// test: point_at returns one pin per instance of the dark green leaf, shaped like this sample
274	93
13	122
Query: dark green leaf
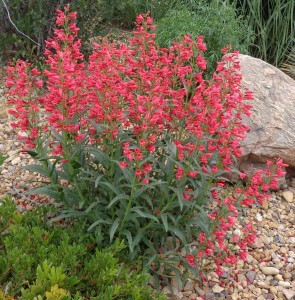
144	214
164	220
117	198
113	228
35	168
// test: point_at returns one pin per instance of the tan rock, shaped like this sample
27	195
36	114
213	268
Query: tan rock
285	284
270	270
288	196
289	293
217	289
272	122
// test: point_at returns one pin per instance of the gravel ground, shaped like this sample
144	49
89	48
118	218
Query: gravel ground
269	272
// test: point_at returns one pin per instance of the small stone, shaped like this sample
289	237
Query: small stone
257	292
273	290
15	161
235	296
265	239
249	259
269	296
246	295
288	196
277	239
217	289
273	225
167	291
189	286
259	217
283	250
285	284
251	275
263	285
287	275
269	270
289	294
241	278
279	277
210	296
274	282
264	204
256	245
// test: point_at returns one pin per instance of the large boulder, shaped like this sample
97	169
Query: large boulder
272	122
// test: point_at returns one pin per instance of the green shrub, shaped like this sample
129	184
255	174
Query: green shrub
41	261
217	22
33	18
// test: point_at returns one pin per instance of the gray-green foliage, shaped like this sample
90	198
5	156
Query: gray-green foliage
217	22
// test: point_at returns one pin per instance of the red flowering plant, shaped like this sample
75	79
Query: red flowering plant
137	142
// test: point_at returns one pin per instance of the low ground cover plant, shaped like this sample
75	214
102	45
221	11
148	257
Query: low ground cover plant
42	261
137	144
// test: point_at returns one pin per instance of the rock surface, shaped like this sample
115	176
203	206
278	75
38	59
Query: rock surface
272	122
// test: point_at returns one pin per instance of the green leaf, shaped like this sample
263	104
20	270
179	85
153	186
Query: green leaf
97	180
114	228
146	187
99	155
49	190
179	193
129	238
128	174
91	206
57	135
164	220
110	186
98	222
35	168
31	153
137	239
117	198
179	234
144	214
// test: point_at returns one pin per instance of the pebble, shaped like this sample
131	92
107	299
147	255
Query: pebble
279	277
288	196
269	270
289	294
259	217
217	289
285	284
15	161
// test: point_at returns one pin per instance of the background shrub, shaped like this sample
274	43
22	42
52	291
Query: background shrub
35	18
217	22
